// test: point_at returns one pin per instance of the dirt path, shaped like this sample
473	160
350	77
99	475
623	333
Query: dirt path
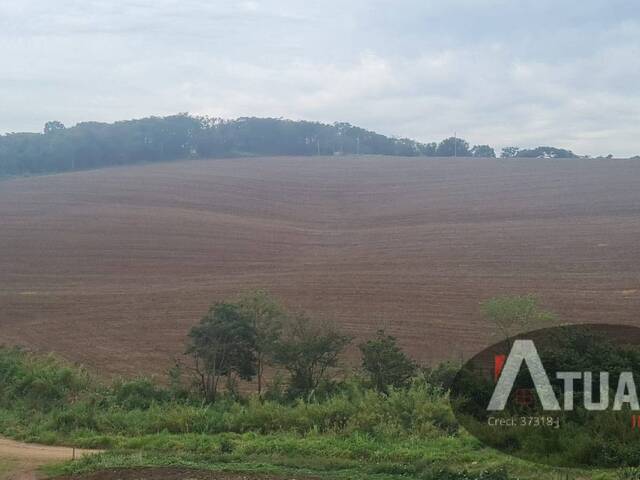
22	460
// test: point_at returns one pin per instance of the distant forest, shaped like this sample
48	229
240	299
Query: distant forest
156	139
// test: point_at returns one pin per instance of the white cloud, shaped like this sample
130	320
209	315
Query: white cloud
491	72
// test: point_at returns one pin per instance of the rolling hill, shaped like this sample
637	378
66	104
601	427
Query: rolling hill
111	267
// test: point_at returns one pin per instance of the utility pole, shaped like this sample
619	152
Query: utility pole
455	144
357	145
318	140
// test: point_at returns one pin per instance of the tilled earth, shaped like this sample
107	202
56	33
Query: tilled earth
112	267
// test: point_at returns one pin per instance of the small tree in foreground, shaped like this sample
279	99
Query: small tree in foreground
266	317
385	363
516	313
222	345
307	351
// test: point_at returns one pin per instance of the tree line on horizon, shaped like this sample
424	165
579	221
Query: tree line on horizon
90	145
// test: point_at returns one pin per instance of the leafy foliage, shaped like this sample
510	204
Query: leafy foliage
515	314
483	151
308	350
223	344
538	152
453	146
37	382
89	145
546	152
385	363
266	317
93	144
140	393
409	432
85	408
442	375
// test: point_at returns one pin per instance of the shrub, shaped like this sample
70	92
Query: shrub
385	363
139	393
442	375
42	396
38	382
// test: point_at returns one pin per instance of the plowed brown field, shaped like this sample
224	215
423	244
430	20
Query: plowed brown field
111	267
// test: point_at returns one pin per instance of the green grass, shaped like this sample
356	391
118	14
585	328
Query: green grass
353	433
264	455
265	464
327	455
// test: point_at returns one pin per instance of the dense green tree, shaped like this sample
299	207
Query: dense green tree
385	363
513	314
483	151
223	344
155	139
453	146
546	152
428	149
308	350
442	375
266	317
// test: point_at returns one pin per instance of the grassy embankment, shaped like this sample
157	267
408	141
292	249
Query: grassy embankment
352	433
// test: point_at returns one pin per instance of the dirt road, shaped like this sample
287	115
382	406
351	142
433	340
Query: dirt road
20	461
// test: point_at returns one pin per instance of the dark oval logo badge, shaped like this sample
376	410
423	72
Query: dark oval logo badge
564	396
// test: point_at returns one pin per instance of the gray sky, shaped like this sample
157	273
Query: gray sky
527	73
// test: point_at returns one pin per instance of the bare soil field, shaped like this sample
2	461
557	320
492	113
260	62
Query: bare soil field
112	267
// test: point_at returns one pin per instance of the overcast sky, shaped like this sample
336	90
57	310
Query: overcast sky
527	73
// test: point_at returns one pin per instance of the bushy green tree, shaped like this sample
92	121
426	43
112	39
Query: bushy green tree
153	139
512	314
546	152
442	375
308	350
385	363
483	151
266	317
453	146
223	344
